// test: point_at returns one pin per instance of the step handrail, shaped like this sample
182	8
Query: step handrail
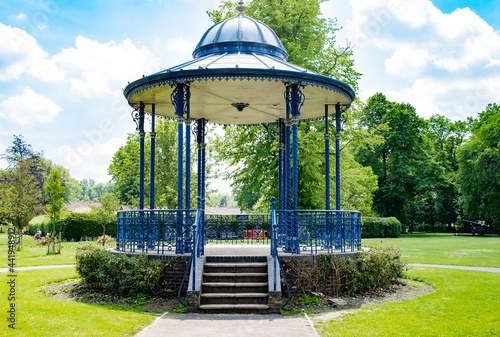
196	252
274	252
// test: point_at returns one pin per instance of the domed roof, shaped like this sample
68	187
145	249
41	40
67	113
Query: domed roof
240	34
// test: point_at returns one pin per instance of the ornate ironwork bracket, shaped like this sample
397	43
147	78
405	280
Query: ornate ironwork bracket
343	116
294	98
180	97
136	118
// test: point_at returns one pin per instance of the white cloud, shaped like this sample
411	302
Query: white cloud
407	61
29	108
181	45
18	51
435	61
89	160
20	16
93	66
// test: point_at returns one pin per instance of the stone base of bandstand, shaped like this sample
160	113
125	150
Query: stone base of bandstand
230	253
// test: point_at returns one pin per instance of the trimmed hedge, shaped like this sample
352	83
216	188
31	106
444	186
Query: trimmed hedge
119	273
372	227
77	225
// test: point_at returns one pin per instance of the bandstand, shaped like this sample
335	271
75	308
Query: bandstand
239	75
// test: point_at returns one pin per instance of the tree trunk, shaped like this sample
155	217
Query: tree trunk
103	235
20	241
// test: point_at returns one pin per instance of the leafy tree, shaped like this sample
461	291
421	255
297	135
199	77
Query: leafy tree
72	189
404	167
87	186
19	152
443	137
55	208
20	196
252	150
101	189
56	204
478	162
124	168
104	213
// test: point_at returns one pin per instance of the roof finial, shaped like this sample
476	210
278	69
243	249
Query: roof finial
241	8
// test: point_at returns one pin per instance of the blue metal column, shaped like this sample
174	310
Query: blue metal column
177	98
327	182
287	184
203	184
327	161
280	163
339	233
152	225
296	104
141	155
188	148
152	165
337	156
200	130
198	127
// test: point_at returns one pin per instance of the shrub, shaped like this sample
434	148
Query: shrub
438	228
78	225
372	269
118	273
107	239
367	271
372	227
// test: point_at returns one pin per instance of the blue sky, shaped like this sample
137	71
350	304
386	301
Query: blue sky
63	64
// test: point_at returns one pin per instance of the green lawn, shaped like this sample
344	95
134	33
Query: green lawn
443	248
40	315
35	255
465	303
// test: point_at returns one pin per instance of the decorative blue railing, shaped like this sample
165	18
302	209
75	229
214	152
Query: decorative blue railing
298	231
318	231
240	228
155	231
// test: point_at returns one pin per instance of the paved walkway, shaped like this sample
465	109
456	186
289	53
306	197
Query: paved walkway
487	269
6	270
198	325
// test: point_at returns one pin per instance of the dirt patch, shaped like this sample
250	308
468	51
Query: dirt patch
322	308
73	291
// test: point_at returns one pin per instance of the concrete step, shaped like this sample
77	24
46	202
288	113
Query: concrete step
235	268
235	277
236	265
234	287
235	284
235	274
231	307
235	259
234	298
231	295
